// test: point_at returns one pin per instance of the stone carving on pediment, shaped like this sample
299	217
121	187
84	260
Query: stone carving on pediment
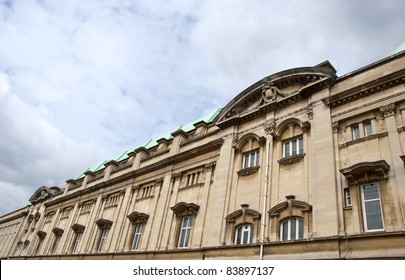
270	92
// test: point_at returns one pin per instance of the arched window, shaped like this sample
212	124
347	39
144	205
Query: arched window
291	220
244	234
241	225
248	151
292	229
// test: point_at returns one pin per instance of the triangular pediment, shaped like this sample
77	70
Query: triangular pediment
275	92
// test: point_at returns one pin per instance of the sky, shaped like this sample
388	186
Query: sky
83	81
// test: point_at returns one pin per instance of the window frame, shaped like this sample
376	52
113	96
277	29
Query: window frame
185	232
242	230
356	131
293	146
102	241
136	240
76	241
298	227
347	197
251	159
366	214
368	128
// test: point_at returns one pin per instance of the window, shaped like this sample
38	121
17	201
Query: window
57	236
76	241
348	199
356	131
251	159
185	232
368	130
292	229
55	243
294	147
137	237
372	213
244	234
103	238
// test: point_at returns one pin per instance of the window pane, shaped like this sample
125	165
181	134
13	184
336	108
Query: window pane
367	128
301	145
293	231
246	161
294	147
356	132
287	149
238	235
285	231
373	215
252	159
371	192
301	228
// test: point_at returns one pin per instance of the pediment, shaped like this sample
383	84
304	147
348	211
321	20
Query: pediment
275	92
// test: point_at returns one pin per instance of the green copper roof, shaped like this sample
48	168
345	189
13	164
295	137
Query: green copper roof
401	48
152	142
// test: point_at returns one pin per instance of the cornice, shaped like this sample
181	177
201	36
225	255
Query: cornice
365	89
206	148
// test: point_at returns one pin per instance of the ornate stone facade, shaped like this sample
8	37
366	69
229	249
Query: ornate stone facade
303	164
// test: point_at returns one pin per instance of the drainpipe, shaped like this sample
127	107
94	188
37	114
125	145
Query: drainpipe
265	195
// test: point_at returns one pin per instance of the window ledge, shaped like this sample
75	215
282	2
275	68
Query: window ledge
291	159
363	139
248	171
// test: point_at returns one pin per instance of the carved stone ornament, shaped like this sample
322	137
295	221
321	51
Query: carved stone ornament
182	209
235	139
310	112
388	110
270	127
210	166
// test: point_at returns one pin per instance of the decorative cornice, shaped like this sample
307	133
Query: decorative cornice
103	223
206	148
57	231
138	218
366	89
78	228
366	171
182	209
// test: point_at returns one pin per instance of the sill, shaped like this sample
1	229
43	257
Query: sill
248	171
291	159
347	208
363	139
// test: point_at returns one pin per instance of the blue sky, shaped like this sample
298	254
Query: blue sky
83	81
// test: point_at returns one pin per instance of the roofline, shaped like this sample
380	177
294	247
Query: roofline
371	65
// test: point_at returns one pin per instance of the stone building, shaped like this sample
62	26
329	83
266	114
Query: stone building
303	164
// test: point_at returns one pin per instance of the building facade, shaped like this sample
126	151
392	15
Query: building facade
303	164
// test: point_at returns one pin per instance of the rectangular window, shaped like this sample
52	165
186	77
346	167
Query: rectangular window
55	243
103	238
244	234
294	147
137	237
76	241
356	131
251	159
372	212
348	199
185	230
368	130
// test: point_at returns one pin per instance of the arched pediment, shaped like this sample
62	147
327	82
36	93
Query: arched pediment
40	194
184	209
242	213
289	205
274	92
138	218
286	124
